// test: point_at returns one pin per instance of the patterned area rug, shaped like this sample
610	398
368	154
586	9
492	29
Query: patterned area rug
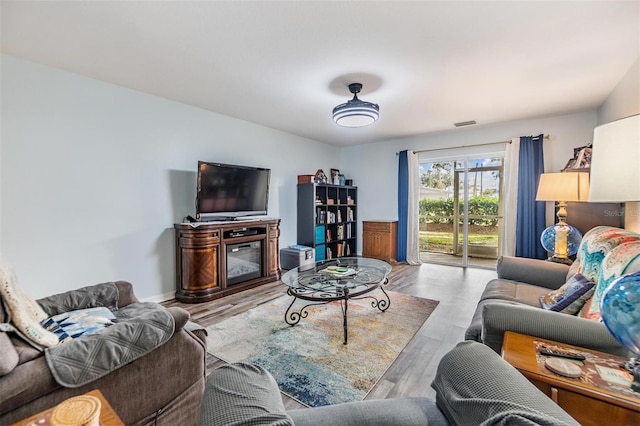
308	360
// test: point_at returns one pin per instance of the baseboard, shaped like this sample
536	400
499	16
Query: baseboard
160	297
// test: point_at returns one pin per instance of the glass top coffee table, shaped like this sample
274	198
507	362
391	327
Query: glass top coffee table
340	279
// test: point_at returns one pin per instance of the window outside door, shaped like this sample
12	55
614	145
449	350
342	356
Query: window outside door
460	211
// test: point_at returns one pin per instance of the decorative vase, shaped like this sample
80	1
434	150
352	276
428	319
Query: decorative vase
620	310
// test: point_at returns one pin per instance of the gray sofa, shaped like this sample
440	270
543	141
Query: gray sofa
474	386
511	302
161	387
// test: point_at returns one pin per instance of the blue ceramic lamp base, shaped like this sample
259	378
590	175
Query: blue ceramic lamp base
562	240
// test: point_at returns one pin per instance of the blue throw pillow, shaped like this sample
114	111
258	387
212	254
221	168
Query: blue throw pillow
73	324
570	297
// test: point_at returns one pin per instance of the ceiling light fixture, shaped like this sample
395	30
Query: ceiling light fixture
356	113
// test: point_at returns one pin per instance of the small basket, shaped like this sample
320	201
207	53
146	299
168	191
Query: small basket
83	410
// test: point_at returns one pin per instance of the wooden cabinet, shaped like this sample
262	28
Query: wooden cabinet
380	239
327	218
214	259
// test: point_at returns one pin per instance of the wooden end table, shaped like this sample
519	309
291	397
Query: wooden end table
600	396
108	416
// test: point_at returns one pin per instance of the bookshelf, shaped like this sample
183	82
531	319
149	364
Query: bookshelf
327	219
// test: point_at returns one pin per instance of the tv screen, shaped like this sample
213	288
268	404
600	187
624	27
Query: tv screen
227	191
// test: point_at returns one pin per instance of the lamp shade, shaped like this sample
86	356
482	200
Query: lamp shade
563	187
615	161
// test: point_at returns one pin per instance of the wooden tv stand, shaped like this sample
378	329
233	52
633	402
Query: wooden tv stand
201	257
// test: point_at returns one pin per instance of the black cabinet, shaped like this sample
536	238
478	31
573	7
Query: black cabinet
327	219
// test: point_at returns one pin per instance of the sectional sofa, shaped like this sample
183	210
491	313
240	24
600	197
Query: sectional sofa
512	301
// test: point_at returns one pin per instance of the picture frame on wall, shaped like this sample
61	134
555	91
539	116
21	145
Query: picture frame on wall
570	164
583	161
581	158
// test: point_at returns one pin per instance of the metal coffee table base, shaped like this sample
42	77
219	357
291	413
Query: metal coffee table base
293	316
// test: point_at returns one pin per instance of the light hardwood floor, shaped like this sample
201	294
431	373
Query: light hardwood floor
457	289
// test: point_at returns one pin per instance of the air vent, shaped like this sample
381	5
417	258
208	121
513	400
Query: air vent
465	123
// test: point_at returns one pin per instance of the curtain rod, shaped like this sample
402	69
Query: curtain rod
467	146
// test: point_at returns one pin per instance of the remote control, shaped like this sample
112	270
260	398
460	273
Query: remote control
570	355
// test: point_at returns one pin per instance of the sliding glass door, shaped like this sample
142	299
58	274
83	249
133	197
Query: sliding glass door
460	210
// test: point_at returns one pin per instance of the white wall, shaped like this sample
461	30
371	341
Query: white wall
624	100
374	167
94	175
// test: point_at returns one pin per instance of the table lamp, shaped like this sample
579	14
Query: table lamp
615	177
562	239
615	167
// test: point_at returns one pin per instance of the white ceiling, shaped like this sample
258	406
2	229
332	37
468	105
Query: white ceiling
286	64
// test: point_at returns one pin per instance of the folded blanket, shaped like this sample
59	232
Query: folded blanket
139	329
24	314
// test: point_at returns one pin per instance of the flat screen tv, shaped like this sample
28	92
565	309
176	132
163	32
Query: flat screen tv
228	192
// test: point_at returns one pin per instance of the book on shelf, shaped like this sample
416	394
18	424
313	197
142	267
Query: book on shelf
349	214
329	253
339	216
328	235
340	249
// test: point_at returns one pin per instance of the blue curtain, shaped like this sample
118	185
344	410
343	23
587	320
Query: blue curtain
531	213
403	204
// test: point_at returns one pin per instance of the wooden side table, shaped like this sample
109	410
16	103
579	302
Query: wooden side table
108	417
600	396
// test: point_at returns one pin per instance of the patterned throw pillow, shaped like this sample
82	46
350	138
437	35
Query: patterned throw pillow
570	297
606	254
73	324
574	307
591	310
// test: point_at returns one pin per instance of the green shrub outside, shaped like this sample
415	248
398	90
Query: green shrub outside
441	211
